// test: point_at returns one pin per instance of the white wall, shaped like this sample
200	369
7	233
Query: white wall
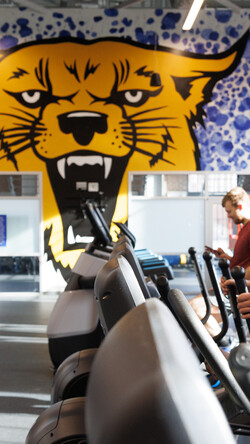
23	222
167	226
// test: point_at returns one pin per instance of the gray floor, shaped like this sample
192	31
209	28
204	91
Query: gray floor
25	368
25	373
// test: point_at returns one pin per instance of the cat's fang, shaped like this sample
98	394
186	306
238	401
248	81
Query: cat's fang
107	166
61	167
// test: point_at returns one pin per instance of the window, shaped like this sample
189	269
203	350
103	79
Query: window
219	184
18	185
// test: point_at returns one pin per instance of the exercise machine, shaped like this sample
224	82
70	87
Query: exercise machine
139	390
113	301
233	399
119	273
146	386
74	322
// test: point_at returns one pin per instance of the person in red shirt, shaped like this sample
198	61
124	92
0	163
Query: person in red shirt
237	206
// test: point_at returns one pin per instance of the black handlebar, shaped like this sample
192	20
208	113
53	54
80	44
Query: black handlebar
203	287
100	228
238	273
125	230
224	265
218	293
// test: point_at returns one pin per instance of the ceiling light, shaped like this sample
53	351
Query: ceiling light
230	5
31	5
193	12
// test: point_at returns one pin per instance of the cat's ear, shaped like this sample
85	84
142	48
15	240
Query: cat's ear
200	74
221	65
183	64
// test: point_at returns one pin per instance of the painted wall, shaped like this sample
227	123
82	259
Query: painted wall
88	95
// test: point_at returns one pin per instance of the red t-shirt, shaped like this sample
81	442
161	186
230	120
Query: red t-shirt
242	248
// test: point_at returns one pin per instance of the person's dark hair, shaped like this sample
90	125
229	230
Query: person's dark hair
235	196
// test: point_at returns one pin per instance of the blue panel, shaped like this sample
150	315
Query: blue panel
3	230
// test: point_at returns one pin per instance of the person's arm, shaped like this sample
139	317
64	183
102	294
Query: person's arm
224	283
219	253
243	302
222	255
247	275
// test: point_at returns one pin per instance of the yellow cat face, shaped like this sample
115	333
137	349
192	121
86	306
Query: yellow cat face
83	113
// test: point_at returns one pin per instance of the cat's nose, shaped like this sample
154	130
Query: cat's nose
83	125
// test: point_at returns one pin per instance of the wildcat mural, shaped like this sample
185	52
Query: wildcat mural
84	112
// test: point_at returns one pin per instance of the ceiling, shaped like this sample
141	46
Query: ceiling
42	5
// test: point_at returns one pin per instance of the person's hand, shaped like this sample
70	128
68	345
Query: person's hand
243	303
225	283
219	253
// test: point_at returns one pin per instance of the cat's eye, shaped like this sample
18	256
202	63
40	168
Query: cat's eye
35	98
31	97
133	96
129	97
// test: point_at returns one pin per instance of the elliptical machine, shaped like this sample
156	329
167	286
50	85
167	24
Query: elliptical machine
74	322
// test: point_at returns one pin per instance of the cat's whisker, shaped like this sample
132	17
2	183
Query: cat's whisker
135	122
17	142
151	141
128	133
31	127
19	150
17	117
25	128
133	148
150	110
149	127
20	134
154	158
28	114
156	142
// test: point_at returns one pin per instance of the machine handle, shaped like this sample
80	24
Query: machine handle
217	290
203	287
224	265
238	273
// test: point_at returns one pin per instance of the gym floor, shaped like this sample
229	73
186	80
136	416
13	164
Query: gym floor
25	375
25	367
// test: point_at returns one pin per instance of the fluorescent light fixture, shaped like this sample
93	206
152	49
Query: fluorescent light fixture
230	5
127	3
31	5
193	12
